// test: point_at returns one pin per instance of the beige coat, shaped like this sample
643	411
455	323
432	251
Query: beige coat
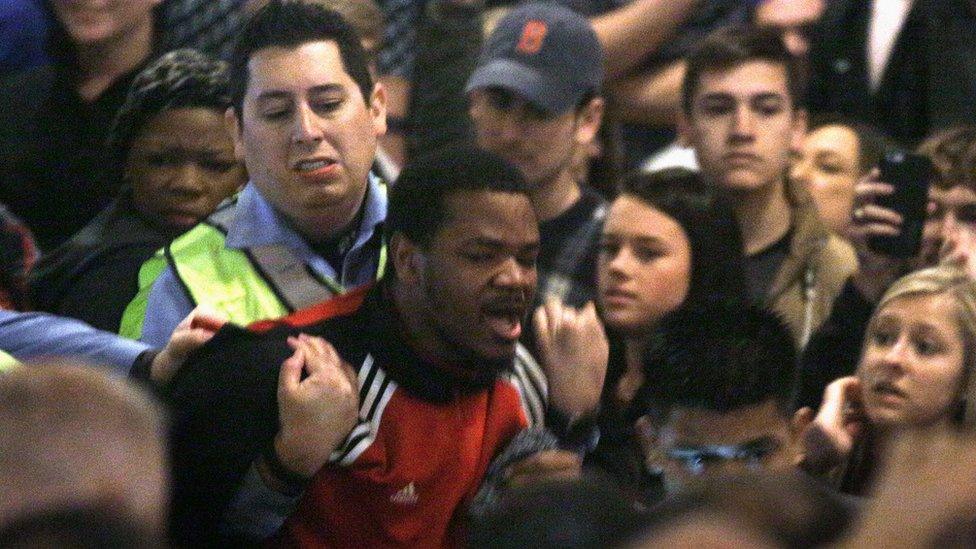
813	273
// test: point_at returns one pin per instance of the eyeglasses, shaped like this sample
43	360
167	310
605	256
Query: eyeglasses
696	459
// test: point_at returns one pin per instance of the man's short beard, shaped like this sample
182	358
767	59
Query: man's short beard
469	369
474	371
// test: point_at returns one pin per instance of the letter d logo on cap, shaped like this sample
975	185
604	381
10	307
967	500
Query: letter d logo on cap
533	33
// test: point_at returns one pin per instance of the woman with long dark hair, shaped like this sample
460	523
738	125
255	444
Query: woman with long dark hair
668	240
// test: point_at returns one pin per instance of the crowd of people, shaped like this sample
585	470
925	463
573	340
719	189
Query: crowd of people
347	273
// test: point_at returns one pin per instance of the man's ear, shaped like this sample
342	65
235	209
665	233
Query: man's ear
377	109
408	259
798	425
647	432
234	129
588	120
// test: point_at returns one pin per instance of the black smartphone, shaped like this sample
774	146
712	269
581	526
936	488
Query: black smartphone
910	174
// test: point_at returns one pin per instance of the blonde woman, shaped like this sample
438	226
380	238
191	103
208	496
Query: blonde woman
916	371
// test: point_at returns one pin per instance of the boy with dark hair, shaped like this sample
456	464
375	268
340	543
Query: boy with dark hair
742	115
717	394
383	436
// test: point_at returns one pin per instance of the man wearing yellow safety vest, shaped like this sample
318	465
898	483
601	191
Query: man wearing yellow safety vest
305	119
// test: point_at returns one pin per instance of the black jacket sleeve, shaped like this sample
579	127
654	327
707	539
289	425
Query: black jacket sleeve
835	349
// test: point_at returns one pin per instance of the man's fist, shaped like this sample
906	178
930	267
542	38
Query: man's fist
316	412
573	350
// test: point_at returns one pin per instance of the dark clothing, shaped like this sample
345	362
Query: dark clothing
210	26
618	456
928	84
568	248
447	51
51	151
835	349
94	276
761	268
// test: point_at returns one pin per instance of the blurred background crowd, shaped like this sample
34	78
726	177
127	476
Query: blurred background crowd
650	231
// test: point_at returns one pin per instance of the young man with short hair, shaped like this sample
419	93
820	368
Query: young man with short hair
742	115
719	401
534	100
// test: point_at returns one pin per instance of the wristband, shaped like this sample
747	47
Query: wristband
294	482
579	433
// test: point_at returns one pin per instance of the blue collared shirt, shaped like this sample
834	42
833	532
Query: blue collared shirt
31	336
256	223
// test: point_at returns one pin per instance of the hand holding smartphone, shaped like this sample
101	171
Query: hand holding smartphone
910	174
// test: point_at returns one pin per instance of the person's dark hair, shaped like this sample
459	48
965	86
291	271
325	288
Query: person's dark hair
558	514
872	145
289	24
77	528
717	270
793	508
729	47
718	356
953	153
417	200
183	78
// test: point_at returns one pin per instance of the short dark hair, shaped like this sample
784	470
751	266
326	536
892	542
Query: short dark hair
183	78
953	153
871	143
77	527
729	47
289	24
417	200
707	219
719	356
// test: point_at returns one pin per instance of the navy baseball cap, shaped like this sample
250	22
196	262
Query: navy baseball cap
544	52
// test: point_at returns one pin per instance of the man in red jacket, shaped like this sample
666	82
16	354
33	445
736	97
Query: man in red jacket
382	436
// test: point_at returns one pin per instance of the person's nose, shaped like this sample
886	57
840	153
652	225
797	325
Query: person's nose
188	179
618	264
515	275
306	128
894	357
743	123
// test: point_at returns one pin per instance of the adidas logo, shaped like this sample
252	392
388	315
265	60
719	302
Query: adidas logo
406	496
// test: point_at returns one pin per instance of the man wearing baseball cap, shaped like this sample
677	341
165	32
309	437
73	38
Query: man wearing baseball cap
534	100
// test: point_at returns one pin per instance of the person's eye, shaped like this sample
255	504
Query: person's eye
276	114
527	260
716	109
160	160
609	250
831	169
536	114
479	257
220	166
967	214
769	109
646	253
883	338
927	347
327	105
